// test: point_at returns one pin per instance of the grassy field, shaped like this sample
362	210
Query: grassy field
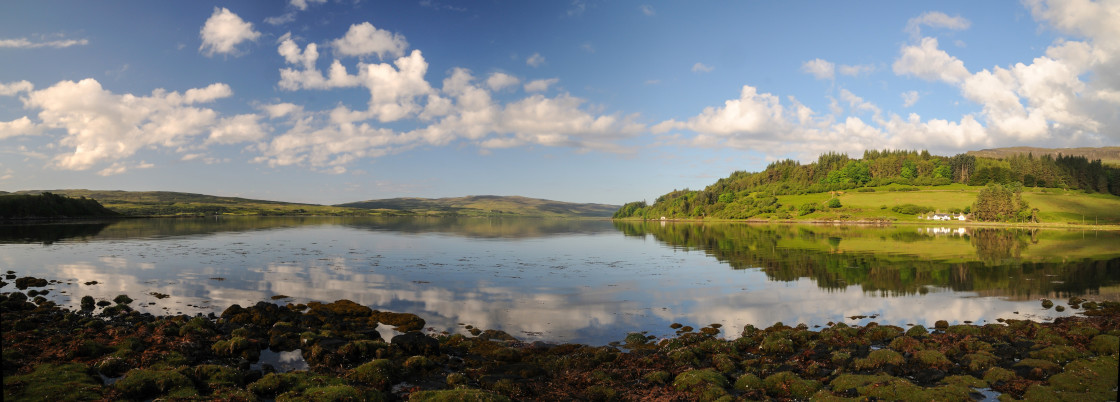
1055	206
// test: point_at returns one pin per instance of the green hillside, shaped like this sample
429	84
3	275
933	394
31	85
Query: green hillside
486	205
168	203
906	186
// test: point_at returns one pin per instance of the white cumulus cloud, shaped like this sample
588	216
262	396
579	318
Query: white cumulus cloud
101	126
935	19
702	68
24	43
15	87
223	31
910	98
928	62
536	60
540	85
365	39
499	81
820	68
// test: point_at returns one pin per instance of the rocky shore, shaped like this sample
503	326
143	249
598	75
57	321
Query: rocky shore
111	352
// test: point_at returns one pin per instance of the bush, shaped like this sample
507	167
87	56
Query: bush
806	208
911	209
834	203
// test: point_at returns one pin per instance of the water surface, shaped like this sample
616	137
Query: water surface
573	280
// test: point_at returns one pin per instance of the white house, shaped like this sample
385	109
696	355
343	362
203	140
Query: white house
941	217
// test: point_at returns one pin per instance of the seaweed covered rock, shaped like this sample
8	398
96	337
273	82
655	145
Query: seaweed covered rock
789	385
145	384
72	381
379	374
416	343
455	395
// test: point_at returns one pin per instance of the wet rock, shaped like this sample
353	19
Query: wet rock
496	335
403	322
416	343
122	299
363	350
30	282
87	303
237	347
112	366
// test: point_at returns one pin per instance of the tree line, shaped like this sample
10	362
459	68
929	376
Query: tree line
745	194
49	205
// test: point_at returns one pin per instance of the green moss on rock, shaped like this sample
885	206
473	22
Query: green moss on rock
50	382
1105	344
379	374
786	384
933	359
1084	380
460	395
878	358
144	383
1057	354
748	382
997	374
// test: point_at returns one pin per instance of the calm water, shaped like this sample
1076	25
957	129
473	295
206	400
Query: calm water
573	281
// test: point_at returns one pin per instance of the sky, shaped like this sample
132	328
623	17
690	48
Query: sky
332	101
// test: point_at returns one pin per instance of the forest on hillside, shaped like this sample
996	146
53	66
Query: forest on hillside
48	205
743	195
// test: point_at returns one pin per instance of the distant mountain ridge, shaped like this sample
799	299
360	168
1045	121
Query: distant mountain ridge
171	203
488	205
1109	155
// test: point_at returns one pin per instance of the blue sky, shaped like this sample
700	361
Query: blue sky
328	101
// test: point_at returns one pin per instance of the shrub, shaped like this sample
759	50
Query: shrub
911	209
834	203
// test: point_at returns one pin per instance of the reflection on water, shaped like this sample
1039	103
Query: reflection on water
572	280
1015	263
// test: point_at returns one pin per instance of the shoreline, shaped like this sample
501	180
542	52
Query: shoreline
884	222
112	352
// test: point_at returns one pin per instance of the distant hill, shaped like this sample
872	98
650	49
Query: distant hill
50	206
488	205
1108	155
169	203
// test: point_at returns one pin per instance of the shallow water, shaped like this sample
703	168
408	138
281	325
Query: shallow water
573	281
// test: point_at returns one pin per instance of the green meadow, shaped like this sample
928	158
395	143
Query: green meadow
1055	205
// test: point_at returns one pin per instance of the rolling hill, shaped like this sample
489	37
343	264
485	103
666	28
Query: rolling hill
1108	155
487	205
169	203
